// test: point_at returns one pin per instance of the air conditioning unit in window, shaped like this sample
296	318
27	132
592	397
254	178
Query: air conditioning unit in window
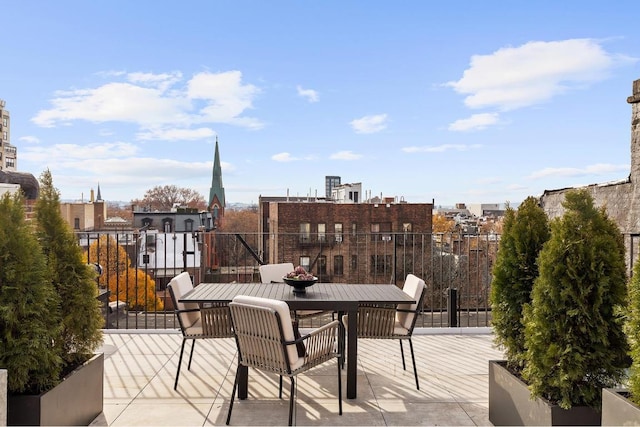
339	239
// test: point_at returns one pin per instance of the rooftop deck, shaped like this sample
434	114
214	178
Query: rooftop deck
140	369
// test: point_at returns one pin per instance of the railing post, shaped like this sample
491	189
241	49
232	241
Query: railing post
452	307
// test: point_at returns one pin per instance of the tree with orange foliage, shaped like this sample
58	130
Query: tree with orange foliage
441	224
125	282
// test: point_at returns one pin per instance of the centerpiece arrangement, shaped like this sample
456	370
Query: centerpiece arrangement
299	279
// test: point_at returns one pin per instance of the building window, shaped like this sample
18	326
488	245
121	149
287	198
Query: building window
406	227
76	223
5	135
188	225
381	232
305	262
4	121
380	264
305	232
338	267
354	229
322	232
354	262
322	265
166	225
338	232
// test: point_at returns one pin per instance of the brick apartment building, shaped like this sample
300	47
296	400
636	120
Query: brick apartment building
347	242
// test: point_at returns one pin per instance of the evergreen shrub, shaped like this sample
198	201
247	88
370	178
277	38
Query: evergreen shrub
524	233
574	338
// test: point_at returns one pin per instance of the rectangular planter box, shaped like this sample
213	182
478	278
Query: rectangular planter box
77	400
617	410
510	403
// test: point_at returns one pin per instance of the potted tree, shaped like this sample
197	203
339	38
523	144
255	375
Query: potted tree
574	338
524	233
74	396
621	406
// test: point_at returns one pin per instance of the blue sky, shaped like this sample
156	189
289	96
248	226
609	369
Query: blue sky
456	101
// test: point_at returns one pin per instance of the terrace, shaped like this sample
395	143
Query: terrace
452	365
142	346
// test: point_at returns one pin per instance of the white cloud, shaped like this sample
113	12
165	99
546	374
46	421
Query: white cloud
30	139
283	157
441	148
597	169
475	122
310	94
76	155
345	155
516	77
157	101
176	134
369	124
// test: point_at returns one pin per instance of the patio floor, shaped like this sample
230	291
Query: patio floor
140	370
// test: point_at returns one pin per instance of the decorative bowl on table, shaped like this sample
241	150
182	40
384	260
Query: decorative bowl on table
300	285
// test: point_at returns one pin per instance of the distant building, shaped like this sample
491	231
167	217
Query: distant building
344	242
85	216
8	152
347	193
330	182
494	210
217	200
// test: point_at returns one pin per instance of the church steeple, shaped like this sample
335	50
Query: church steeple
216	192
99	198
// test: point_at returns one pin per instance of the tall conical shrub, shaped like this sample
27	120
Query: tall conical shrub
633	333
524	234
574	324
73	280
29	318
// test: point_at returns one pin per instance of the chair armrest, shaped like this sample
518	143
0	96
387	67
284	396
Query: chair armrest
187	310
320	343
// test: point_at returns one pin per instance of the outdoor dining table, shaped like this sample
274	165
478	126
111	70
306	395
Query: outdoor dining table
340	297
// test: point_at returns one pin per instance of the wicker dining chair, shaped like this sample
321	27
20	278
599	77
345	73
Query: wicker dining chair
265	340
390	322
213	321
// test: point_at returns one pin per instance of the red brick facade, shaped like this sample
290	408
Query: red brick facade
353	243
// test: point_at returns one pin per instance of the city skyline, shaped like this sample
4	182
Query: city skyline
461	102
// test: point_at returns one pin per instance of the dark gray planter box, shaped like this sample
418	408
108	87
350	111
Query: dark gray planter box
510	403
617	410
76	401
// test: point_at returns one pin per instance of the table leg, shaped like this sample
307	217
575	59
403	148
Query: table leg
352	353
243	382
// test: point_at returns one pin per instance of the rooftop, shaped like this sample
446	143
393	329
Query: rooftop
140	369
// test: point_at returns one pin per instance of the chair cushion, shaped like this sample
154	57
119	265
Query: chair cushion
413	287
194	330
398	329
273	273
282	308
180	285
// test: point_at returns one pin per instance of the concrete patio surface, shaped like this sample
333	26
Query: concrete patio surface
140	368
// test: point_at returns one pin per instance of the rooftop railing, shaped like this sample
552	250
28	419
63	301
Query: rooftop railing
137	266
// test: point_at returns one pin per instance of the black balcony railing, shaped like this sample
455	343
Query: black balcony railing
137	266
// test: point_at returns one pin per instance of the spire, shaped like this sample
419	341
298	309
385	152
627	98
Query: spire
99	197
216	192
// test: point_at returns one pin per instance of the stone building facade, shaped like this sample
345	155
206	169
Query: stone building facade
621	199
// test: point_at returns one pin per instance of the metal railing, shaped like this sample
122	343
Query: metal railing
137	266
